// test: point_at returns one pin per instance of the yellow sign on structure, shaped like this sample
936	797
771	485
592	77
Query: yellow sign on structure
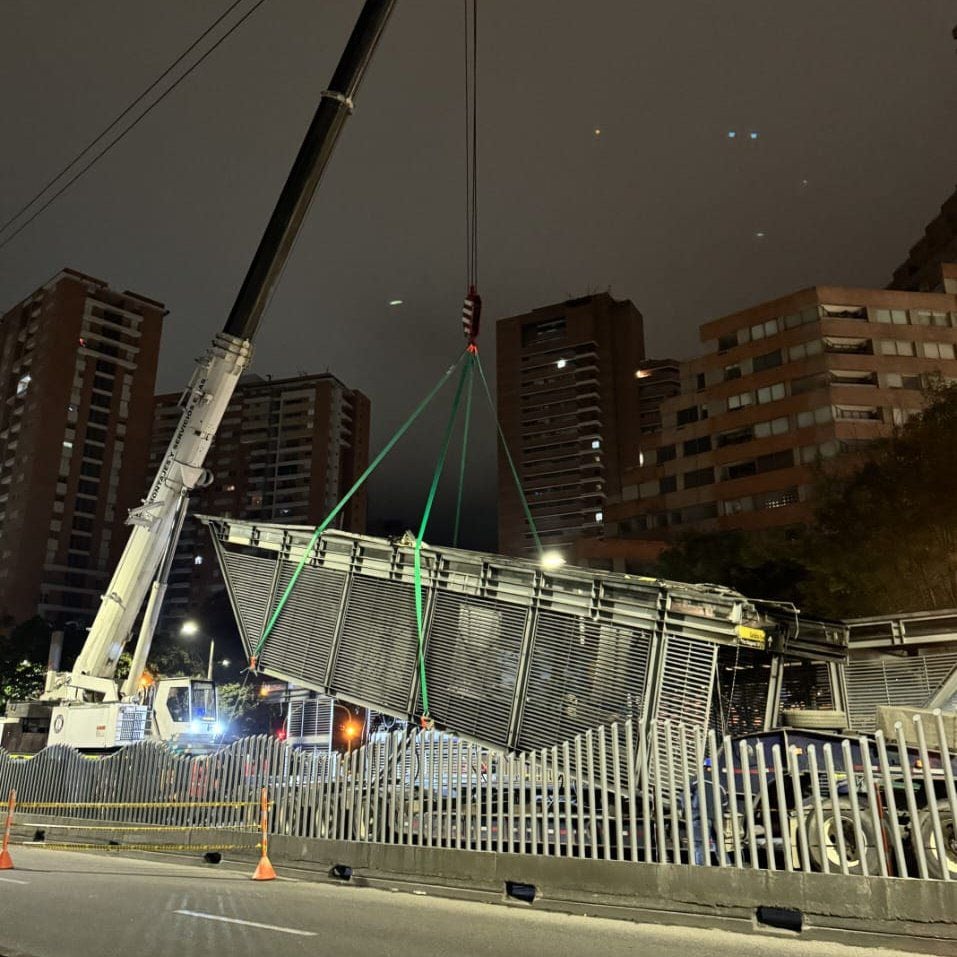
752	636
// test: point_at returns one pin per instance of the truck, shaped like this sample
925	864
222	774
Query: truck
86	707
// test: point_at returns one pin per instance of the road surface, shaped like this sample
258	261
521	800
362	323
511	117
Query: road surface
64	904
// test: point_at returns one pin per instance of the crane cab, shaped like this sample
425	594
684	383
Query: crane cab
185	714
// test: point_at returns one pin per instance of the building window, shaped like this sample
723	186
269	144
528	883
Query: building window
814	417
668	484
697	446
769	360
897	317
843	312
732	372
698	477
776	460
852	377
938	350
808	383
804	350
857	412
924	318
787	496
764	329
666	453
699	381
535	332
688	415
727	342
738	470
735	436
771	393
897	347
775	427
739	401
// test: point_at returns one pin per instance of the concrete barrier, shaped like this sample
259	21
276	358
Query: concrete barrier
914	915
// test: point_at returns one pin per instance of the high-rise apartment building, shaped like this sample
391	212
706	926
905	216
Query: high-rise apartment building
567	398
658	379
783	385
77	373
930	264
286	451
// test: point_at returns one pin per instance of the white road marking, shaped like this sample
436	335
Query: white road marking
247	923
13	880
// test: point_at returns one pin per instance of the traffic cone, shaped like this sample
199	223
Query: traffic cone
264	869
6	862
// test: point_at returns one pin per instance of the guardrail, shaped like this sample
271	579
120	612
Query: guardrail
787	800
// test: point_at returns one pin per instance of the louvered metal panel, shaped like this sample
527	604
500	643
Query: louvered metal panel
472	664
377	648
247	575
581	674
907	682
301	646
687	680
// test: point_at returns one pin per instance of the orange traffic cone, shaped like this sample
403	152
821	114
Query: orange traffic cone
6	862
264	869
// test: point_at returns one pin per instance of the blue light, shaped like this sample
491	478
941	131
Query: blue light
753	135
732	134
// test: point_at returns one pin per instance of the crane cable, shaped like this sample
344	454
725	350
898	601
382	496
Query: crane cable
136	121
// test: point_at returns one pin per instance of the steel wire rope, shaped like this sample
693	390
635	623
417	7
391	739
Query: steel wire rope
136	121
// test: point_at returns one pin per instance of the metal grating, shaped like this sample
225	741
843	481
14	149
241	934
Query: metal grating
906	682
472	663
581	674
246	575
304	643
378	645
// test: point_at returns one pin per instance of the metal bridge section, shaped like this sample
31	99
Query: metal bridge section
516	657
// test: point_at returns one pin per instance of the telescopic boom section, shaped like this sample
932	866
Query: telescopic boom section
213	383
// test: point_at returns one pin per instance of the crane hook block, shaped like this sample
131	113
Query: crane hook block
471	315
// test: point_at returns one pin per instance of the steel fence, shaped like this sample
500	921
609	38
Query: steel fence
786	800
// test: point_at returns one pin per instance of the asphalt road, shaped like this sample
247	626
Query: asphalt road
60	904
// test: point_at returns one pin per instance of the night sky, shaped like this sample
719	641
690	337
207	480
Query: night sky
853	102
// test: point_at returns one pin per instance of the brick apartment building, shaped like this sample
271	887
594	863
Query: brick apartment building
286	451
567	398
77	374
782	386
922	271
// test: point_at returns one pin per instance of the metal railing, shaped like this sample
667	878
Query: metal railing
786	800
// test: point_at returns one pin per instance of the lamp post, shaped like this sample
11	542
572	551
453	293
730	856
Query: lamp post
190	629
351	728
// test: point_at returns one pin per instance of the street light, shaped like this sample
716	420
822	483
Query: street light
189	629
351	728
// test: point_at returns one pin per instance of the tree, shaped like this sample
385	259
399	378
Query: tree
23	657
884	537
757	564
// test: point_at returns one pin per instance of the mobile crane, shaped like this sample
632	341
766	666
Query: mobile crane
86	707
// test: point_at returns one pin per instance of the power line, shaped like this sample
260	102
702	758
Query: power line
132	125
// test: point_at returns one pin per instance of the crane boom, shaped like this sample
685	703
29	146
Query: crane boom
212	385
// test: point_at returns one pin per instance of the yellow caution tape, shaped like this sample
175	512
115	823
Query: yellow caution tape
186	805
69	846
139	827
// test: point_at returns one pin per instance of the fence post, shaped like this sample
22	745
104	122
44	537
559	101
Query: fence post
264	870
6	863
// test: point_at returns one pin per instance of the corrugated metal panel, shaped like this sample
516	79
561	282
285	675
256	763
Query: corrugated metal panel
908	682
378	646
472	663
581	674
249	577
301	641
